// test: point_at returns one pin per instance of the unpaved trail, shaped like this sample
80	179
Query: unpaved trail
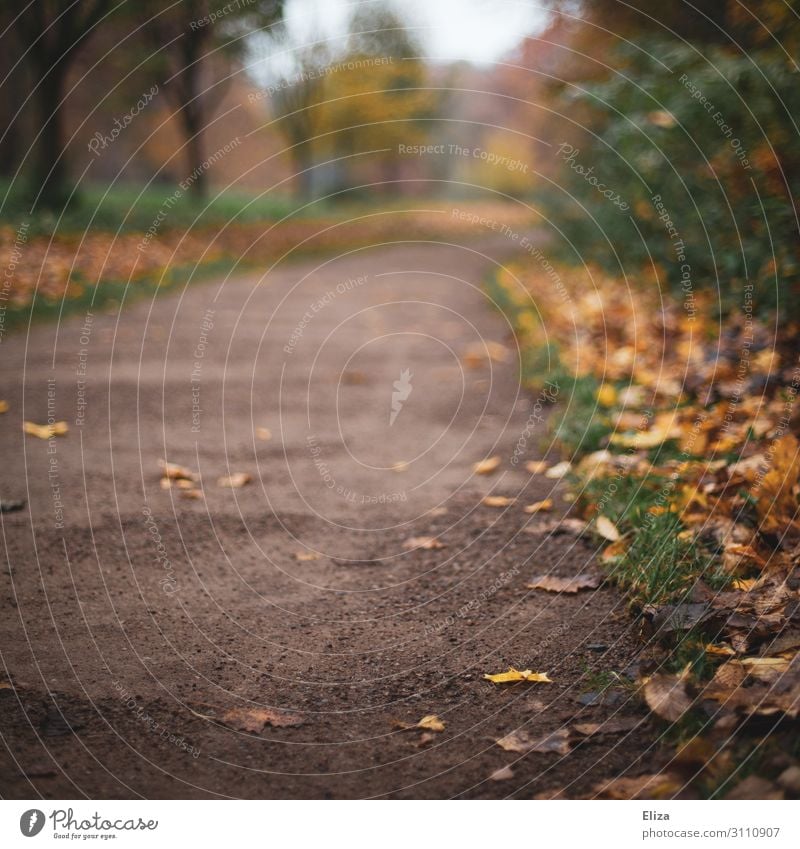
147	609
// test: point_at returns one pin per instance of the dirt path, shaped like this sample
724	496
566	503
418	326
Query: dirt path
130	641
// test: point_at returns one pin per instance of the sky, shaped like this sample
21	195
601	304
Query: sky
478	31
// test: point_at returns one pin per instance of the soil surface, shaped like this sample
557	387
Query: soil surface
135	618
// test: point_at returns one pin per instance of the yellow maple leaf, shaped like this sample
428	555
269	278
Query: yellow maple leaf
514	675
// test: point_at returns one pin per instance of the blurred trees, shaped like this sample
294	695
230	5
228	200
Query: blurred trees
189	48
348	113
194	45
52	32
690	115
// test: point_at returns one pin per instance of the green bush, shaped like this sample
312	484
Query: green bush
691	161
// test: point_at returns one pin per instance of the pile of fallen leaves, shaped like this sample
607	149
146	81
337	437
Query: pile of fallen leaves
67	266
681	435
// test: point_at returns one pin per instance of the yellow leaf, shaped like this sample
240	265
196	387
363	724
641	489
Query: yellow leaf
47	431
558	471
431	723
539	506
606	528
607	395
3	406
235	481
514	675
305	556
487	466
776	502
497	501
263	433
427	543
536	467
400	466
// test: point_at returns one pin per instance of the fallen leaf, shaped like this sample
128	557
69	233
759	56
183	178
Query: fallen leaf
661	785
254	719
174	472
431	722
606	528
666	696
559	470
615	550
539	506
606	395
47	431
235	481
306	555
776	503
263	433
400	466
522	743
487	466
181	483
3	406
502	774
536	467
498	501
427	543
610	726
192	494
556	584
514	675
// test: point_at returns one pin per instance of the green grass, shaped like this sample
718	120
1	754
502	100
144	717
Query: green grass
124	207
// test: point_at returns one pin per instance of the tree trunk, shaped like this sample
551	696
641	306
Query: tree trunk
51	166
193	126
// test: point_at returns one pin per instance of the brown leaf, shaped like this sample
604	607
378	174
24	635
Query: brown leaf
431	722
610	726
555	584
173	472
666	696
662	785
521	742
502	774
776	502
254	719
427	543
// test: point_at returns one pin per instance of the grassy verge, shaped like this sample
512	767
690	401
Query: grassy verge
697	501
